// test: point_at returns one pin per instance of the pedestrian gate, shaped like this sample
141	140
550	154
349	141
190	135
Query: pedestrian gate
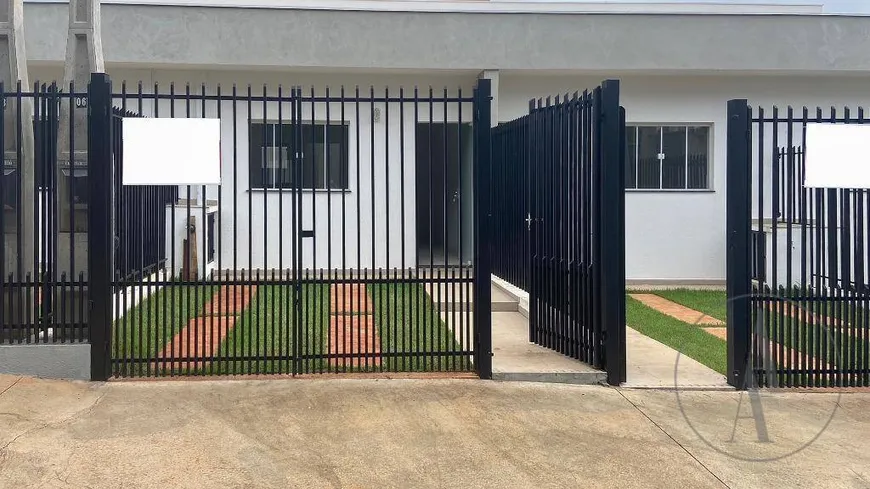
559	208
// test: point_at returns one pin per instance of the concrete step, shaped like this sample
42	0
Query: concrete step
449	297
514	293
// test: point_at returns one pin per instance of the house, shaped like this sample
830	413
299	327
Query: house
678	65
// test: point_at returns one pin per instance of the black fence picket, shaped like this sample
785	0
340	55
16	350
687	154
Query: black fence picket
798	257
140	216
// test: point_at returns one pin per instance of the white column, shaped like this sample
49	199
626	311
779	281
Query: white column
84	55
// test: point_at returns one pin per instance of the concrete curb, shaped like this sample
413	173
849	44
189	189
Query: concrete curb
576	378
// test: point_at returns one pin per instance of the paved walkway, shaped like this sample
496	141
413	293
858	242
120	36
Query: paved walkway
674	310
648	363
653	364
412	433
515	358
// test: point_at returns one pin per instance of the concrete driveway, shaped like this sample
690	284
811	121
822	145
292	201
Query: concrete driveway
420	433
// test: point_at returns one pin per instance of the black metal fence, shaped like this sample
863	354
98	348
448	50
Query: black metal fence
141	216
43	272
798	298
347	235
558	180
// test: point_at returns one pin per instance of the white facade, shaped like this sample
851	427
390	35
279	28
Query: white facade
680	235
672	236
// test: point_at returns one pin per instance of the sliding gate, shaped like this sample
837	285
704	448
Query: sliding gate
559	209
345	235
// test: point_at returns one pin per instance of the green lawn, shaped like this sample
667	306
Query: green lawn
711	302
407	322
689	340
831	344
404	316
265	328
144	330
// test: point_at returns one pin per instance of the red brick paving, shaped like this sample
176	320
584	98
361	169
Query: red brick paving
349	298
717	332
203	334
200	338
676	311
356	335
230	301
352	327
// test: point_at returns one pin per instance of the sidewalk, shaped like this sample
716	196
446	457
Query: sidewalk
412	433
650	363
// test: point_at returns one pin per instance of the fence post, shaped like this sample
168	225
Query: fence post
738	223
100	232
612	231
482	230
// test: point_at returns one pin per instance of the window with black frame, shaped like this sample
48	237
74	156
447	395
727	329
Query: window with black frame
667	157
323	156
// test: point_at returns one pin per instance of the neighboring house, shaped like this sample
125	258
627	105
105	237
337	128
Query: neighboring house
678	65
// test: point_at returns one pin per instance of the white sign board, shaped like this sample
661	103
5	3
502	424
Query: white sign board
837	155
171	151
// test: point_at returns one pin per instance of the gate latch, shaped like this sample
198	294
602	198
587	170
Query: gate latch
528	220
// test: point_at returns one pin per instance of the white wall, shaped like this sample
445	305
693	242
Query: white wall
681	235
674	235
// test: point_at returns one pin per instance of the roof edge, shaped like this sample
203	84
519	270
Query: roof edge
488	6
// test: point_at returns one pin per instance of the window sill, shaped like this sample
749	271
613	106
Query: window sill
304	191
668	191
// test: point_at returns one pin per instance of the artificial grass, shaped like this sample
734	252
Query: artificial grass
408	322
144	330
689	340
711	302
